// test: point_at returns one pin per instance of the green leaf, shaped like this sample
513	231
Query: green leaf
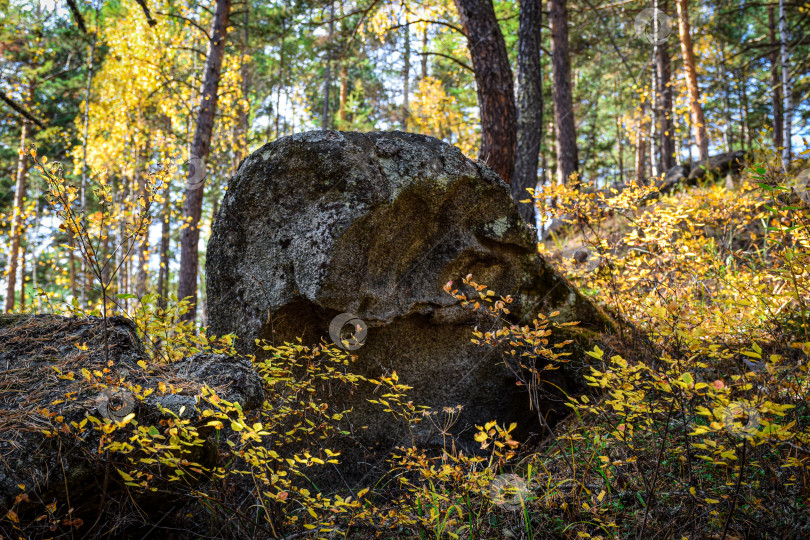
596	353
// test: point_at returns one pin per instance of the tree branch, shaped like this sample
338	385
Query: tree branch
456	60
448	25
21	110
145	8
189	21
74	9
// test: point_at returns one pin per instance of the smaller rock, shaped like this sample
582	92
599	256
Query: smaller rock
581	255
46	360
719	165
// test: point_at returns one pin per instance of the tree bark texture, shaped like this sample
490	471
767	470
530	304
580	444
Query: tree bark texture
529	106
200	147
17	218
564	125
495	87
698	122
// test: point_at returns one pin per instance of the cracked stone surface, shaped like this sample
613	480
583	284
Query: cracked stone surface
375	224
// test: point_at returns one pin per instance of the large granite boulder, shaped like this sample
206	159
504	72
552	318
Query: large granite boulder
375	224
43	388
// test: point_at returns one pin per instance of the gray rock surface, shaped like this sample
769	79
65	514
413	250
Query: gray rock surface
375	224
34	347
719	165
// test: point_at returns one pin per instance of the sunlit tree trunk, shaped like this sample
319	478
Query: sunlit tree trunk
34	258
776	81
243	124
200	146
74	291
327	78
406	77
663	65
128	279
787	152
619	130
344	94
424	53
17	217
667	126
22	277
163	272
726	89
529	105
203	295
744	127
117	196
494	85
143	244
36	301
698	122
641	158
655	144
564	125
86	112
280	78
620	137
106	272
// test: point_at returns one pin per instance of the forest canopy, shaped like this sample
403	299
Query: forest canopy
115	91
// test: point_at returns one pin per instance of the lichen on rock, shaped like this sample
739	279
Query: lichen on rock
375	224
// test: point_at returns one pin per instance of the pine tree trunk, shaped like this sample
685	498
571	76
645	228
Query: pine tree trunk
121	261
327	78
787	152
17	218
698	122
663	65
406	78
143	241
280	79
243	107
344	94
107	269
36	301
529	106
564	125
641	158
86	112
745	128
22	276
494	85
655	144
724	84
200	146
72	265
163	273
424	53
620	137
776	82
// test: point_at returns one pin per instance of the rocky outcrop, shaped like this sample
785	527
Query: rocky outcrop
45	362
718	167
375	224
